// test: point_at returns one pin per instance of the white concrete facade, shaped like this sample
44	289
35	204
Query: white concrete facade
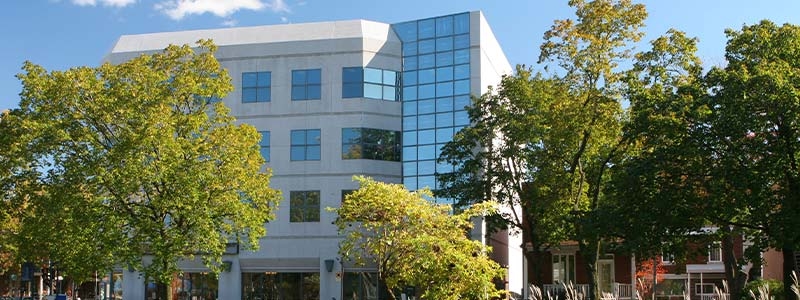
328	46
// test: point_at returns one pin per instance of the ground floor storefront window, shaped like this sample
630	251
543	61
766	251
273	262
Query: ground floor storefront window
186	286
280	286
363	286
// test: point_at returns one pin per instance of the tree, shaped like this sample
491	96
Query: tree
753	136
414	242
123	161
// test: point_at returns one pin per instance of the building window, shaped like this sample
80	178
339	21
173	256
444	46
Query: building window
273	285
306	84
704	288
364	285
714	252
305	144
563	268
368	143
256	87
370	83
264	143
304	206
667	258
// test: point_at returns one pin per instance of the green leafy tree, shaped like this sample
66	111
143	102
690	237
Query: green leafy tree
123	161
414	242
753	136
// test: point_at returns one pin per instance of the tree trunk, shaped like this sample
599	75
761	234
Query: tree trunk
590	252
733	274
789	266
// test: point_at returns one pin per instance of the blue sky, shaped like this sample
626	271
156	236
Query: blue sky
59	34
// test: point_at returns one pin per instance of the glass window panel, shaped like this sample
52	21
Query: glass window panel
427	181
298	77
426	167
444	44
426	121
444	104
265	135
461	56
407	31
298	153
409	48
389	77
352	75
409	137
409	153
410	78
373	91
263	94
427	61
462	101
427	46
427	152
410	93
313	137
461	72
389	93
426	91
426	106
249	79
410	123
313	153
426	29
427	76
461	118
298	137
410	182
444	168
298	92
373	75
461	41
439	149
444	58
314	92
314	76
264	78
444	74
249	95
410	63
352	90
444	26
427	137
461	23
410	167
461	87
350	135
444	89
444	135
444	119
409	108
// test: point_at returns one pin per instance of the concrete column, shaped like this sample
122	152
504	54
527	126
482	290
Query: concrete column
132	285
230	282
330	285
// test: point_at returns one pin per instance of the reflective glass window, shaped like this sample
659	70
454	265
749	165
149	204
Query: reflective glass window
370	143
444	104
264	143
256	87
426	91
410	93
461	72
444	135
305	144
427	76
427	181
306	84
426	121
390	93
444	25
352	82
462	101
409	48
426	106
444	58
461	23
444	119
444	74
427	61
461	56
410	123
444	167
390	78
427	46
461	41
304	206
444	89
410	77
406	31
409	153
426	167
461	118
410	167
410	182
427	137
409	108
444	44
461	87
426	29
373	75
409	137
410	63
372	90
426	152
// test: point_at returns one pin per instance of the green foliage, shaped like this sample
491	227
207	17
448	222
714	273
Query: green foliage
119	161
414	242
774	289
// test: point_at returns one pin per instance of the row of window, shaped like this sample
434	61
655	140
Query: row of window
357	143
357	82
304	205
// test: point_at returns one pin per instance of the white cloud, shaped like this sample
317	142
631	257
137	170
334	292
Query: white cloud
284	19
229	23
114	3
177	9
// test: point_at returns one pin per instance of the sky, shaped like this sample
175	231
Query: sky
60	34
